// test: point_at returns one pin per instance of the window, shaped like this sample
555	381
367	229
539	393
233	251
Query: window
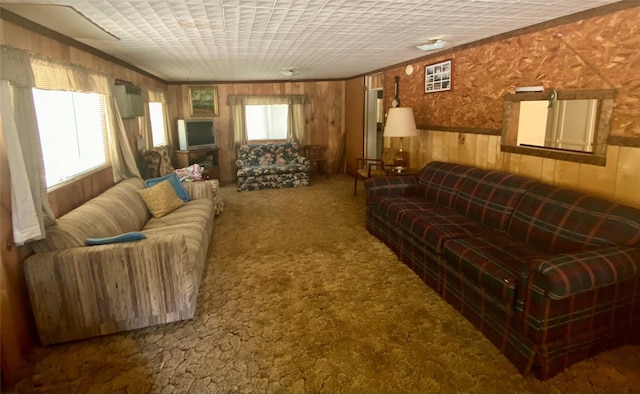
73	133
267	122
156	117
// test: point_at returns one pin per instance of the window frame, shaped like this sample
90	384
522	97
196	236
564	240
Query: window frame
164	124
105	138
268	140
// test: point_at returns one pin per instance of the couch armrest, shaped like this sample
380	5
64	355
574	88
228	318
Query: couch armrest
199	189
240	164
301	160
568	274
405	185
96	290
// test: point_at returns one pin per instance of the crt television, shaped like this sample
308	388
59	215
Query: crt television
196	134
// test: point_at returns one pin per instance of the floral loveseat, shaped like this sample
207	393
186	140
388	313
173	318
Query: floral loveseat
271	166
79	291
551	276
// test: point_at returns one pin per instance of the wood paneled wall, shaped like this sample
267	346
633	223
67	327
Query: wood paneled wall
18	330
599	52
618	181
323	115
594	53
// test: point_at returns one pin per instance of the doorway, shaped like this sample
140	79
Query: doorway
374	116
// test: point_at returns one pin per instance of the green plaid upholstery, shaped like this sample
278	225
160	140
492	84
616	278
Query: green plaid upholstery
391	186
434	226
559	220
549	275
497	264
439	182
569	274
489	197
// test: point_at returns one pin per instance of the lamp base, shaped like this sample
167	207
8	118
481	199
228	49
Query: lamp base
401	159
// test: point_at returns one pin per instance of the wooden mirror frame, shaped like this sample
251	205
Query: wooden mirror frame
509	142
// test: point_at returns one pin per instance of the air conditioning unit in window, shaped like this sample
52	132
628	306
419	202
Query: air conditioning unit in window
129	99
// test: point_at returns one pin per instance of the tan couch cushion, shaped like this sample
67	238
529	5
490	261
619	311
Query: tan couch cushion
118	210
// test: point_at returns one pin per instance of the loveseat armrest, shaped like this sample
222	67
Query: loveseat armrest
301	160
96	290
240	163
200	189
564	275
406	185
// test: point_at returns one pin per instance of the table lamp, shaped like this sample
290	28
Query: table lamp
400	123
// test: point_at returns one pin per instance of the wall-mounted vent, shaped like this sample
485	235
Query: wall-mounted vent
129	99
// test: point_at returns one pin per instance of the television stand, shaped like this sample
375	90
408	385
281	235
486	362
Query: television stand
207	158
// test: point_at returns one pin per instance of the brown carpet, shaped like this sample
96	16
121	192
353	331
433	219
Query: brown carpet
298	297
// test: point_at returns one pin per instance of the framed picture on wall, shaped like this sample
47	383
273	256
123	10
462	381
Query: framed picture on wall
438	77
203	101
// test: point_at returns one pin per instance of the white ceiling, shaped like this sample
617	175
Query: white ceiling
249	40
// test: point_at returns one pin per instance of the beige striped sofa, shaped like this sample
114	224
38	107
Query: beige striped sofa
80	291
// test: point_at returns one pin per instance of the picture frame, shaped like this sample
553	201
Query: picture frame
203	101
438	77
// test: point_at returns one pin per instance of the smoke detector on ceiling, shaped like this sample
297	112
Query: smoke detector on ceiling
432	45
289	71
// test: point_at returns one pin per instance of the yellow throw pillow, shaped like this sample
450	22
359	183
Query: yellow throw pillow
161	199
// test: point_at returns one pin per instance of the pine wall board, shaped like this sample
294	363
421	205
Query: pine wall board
618	180
323	114
18	329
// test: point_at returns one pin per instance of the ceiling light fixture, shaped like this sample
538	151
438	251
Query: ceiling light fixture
289	71
432	45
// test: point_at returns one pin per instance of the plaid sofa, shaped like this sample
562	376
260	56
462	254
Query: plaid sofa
271	166
551	276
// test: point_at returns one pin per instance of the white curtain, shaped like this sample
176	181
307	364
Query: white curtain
23	71
57	75
295	121
296	131
238	130
123	162
30	205
156	96
26	225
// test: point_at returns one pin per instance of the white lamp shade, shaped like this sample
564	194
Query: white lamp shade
400	123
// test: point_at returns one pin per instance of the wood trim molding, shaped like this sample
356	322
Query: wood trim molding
578	157
633	142
468	130
564	95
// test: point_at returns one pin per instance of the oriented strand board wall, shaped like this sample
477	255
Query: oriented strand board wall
607	56
600	52
323	114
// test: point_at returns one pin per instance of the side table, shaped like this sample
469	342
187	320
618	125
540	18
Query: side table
406	171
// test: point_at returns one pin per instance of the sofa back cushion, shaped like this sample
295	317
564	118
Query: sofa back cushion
489	197
116	211
439	181
559	220
268	154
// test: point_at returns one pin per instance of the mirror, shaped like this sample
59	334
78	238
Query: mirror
565	125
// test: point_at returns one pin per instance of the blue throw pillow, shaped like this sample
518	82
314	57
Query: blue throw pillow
175	182
126	237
